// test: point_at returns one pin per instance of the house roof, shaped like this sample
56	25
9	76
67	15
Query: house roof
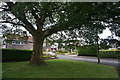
30	38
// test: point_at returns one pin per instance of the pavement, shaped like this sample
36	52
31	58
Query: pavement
111	62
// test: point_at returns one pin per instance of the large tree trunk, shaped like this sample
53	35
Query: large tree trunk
37	55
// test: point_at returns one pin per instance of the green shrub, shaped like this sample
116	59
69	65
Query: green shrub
87	51
15	55
110	54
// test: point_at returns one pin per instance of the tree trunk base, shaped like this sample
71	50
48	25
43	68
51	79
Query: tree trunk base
37	60
37	55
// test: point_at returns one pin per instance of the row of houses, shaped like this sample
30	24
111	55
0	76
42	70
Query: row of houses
17	44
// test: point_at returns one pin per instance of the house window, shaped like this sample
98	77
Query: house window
18	42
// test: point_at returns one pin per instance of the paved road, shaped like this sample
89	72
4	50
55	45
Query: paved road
111	62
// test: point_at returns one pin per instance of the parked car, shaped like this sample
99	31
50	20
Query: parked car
52	54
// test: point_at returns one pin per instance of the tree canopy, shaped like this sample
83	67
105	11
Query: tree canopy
48	16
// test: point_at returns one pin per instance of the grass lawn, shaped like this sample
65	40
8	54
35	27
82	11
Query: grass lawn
58	69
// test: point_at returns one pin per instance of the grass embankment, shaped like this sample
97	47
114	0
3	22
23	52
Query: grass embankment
58	69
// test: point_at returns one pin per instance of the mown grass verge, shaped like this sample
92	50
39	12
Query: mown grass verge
58	69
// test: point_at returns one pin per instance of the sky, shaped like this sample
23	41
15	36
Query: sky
107	33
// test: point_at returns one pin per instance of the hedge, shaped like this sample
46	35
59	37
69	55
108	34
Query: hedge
13	55
110	54
87	51
9	55
91	51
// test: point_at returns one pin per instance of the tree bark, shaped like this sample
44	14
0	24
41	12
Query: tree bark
37	55
98	55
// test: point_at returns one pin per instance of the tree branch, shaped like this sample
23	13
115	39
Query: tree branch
28	26
55	29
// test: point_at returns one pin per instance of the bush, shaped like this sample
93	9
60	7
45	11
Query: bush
110	54
87	51
15	55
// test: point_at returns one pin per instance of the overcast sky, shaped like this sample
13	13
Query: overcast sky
106	33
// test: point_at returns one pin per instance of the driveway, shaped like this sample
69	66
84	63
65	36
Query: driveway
111	62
